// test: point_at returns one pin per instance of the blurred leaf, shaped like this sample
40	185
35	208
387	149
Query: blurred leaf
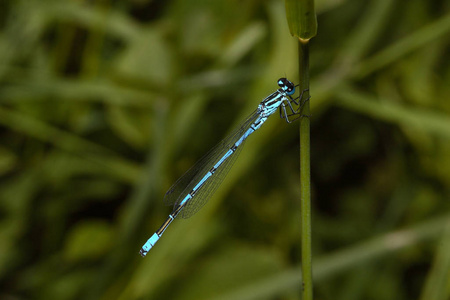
132	126
237	266
437	284
88	240
365	34
67	141
248	38
419	38
10	230
45	88
147	58
66	287
7	160
115	22
419	119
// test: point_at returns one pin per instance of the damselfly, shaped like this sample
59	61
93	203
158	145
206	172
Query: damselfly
193	189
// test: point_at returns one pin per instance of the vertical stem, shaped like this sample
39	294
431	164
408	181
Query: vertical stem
305	178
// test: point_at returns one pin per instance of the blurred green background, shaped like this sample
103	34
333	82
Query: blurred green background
104	104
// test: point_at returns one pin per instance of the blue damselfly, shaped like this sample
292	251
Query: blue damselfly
192	190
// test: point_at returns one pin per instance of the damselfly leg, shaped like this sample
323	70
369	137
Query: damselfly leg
290	111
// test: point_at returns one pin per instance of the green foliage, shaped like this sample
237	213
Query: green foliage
104	104
88	240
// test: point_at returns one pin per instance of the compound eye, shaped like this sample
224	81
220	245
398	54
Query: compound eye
290	90
282	82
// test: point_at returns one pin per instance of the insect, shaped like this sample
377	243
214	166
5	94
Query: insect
190	192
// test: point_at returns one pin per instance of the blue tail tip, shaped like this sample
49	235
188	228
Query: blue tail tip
143	252
149	244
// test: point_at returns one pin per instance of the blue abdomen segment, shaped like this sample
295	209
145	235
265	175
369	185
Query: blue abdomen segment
149	244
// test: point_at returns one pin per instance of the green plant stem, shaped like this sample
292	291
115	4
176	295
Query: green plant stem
305	178
302	23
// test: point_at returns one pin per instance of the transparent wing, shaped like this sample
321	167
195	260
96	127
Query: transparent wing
189	180
206	191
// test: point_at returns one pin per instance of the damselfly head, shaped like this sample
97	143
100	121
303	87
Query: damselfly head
286	86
